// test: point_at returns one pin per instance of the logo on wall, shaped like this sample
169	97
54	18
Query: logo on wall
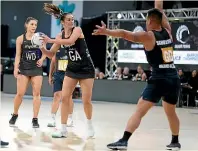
182	35
70	6
137	29
66	7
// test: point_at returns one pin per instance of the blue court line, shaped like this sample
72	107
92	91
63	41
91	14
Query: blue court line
43	98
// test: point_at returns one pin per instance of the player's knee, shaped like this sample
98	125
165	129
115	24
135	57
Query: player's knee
19	95
169	109
36	97
66	98
86	97
57	96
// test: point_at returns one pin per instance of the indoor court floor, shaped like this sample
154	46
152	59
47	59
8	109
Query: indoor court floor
109	120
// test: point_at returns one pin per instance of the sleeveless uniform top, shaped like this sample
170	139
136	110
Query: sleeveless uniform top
30	54
80	64
161	57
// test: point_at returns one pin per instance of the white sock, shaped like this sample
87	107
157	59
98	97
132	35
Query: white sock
64	127
53	116
70	116
89	122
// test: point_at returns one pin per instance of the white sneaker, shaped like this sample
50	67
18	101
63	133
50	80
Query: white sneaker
52	123
70	122
59	134
90	131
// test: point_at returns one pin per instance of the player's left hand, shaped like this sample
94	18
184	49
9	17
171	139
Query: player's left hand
46	39
101	30
43	45
39	63
59	36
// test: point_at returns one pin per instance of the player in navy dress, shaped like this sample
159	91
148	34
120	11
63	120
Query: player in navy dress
164	82
58	67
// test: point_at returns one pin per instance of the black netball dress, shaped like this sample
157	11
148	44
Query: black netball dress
30	54
80	64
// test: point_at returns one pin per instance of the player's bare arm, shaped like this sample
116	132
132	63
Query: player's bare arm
165	22
146	38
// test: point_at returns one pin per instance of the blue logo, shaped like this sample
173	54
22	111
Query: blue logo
191	57
66	7
177	58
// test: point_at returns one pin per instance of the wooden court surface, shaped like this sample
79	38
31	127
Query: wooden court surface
109	120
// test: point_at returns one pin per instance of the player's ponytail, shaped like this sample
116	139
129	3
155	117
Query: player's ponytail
54	10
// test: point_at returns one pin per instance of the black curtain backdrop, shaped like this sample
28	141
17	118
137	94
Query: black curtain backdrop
4	41
96	44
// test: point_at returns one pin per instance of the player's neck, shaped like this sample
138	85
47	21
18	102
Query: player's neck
29	34
67	31
157	28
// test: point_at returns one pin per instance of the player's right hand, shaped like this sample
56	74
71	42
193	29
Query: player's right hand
16	73
50	80
101	30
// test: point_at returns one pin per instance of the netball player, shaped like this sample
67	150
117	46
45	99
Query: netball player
164	82
28	68
80	67
56	76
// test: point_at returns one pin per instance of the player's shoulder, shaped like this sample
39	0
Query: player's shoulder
148	35
77	29
150	40
20	38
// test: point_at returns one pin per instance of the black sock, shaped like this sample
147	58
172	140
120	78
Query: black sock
174	139
126	136
35	119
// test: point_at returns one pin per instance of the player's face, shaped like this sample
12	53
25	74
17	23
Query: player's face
31	26
68	21
180	72
119	70
147	24
139	70
126	70
194	73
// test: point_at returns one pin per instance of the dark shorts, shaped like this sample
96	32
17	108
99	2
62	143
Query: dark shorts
88	75
58	81
165	89
32	73
84	72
